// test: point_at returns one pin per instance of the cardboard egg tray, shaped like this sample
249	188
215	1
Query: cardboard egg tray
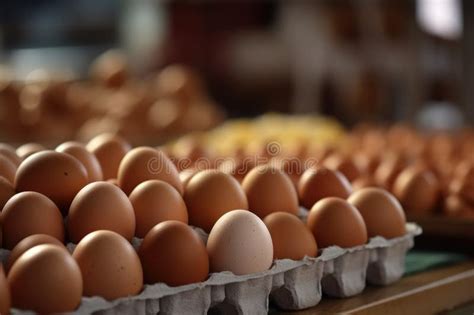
290	285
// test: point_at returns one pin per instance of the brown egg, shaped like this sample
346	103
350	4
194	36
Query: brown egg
109	265
319	182
155	201
100	206
7	169
5	297
388	170
334	221
45	279
173	253
209	194
90	162
29	213
144	163
30	242
28	149
268	190
6	191
383	215
109	149
56	175
241	243
290	236
418	190
345	165
9	152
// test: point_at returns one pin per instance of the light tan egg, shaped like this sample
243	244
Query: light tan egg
240	242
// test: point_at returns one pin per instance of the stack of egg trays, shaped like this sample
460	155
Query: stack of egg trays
290	285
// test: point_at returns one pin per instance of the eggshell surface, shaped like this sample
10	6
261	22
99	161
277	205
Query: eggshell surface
173	253
269	190
210	194
109	265
240	243
45	279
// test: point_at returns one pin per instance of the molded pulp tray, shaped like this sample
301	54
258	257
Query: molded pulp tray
291	285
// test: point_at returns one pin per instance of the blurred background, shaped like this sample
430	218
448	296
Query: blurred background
365	60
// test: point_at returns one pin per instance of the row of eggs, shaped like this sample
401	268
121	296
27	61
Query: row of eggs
150	201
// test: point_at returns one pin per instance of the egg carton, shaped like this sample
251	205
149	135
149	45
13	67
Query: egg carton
290	285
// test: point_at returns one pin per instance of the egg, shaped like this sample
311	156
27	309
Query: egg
90	162
317	183
29	242
155	201
7	169
29	213
100	206
144	163
388	170
109	265
346	165
28	149
56	175
211	193
291	238
240	242
335	222
9	152
173	253
417	189
109	149
6	191
5	297
269	190
45	279
383	215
